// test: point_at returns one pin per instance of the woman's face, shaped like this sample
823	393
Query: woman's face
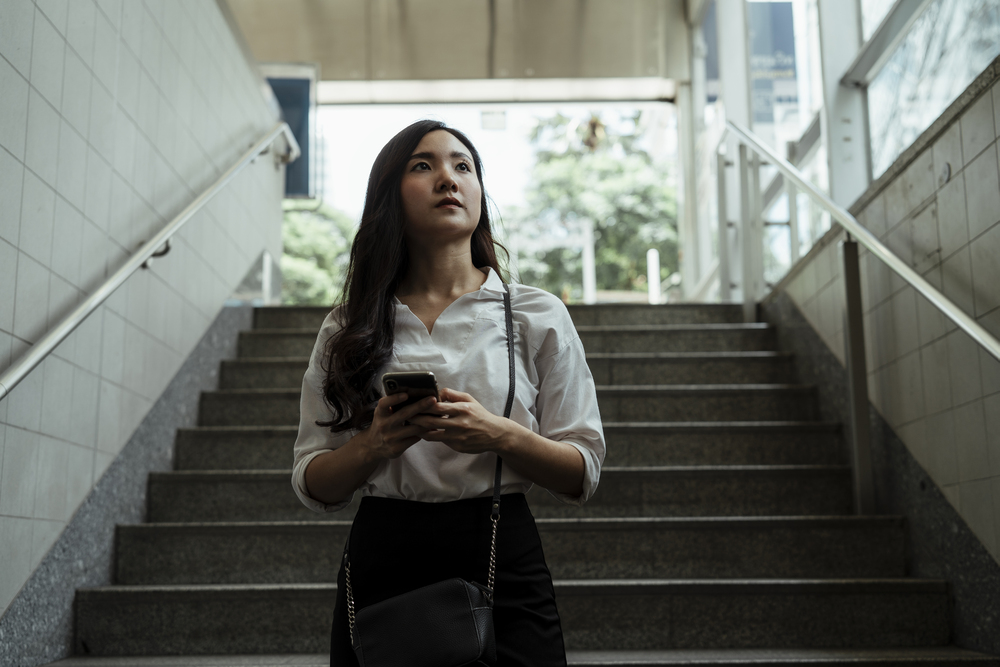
440	189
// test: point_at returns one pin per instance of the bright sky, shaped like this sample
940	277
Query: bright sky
354	134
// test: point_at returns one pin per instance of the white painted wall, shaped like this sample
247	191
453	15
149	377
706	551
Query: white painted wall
113	116
938	389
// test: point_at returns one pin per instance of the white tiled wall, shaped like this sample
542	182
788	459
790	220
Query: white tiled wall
114	115
936	387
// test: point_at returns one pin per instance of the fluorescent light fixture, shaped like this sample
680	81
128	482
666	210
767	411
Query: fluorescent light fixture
459	91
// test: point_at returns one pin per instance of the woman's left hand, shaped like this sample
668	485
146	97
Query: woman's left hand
463	424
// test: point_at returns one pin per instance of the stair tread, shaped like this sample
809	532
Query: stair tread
589	658
726	425
581	658
667	426
560	523
783	468
706	388
692	356
568	587
726	326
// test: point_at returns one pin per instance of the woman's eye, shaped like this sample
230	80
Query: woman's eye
421	165
463	166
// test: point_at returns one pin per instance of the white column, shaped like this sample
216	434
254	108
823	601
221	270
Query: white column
687	227
589	269
844	107
734	83
265	278
653	274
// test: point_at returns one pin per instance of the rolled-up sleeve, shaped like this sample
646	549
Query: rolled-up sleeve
567	411
312	439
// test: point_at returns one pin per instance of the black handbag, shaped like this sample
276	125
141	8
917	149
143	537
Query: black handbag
446	624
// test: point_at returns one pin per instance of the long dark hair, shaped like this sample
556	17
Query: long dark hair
379	260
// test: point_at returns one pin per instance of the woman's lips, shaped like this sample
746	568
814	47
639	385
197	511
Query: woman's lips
449	202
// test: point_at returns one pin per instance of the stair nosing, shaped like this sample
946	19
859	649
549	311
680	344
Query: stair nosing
705	388
652	328
607	587
768	355
728	426
560	524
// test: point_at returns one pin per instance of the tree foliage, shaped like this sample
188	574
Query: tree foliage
600	172
317	239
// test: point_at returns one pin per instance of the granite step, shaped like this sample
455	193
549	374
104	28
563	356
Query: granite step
260	343
629	444
708	402
786	490
678	338
234	448
691	368
607	368
731	402
633	614
674	548
724	443
311	317
929	656
613	314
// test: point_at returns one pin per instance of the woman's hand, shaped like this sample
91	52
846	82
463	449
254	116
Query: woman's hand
393	431
462	423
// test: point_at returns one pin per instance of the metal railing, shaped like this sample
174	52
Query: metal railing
45	345
751	242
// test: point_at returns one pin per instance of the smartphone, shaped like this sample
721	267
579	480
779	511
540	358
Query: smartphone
418	385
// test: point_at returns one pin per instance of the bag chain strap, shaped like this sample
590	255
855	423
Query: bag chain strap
495	514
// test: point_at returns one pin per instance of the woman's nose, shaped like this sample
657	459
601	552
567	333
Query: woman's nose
447	182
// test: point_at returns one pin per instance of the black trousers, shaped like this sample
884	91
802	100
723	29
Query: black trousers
400	545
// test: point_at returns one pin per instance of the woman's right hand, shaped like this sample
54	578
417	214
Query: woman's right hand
390	433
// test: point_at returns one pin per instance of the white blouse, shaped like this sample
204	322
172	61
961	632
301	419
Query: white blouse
467	351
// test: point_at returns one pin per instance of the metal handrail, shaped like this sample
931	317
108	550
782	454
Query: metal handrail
34	356
871	242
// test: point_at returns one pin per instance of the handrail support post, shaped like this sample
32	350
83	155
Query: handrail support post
746	238
725	280
857	380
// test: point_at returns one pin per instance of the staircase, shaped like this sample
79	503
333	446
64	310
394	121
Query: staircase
721	532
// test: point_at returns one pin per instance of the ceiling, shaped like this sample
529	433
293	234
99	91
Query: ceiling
399	40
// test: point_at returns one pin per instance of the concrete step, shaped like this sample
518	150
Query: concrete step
234	448
266	495
598	614
629	444
691	368
263	373
723	443
730	547
611	368
707	402
929	656
767	402
246	407
310	317
636	313
926	656
290	317
635	338
678	338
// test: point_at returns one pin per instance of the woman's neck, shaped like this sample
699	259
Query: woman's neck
439	276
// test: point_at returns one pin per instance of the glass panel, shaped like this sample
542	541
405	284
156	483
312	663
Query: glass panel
784	68
777	253
872	13
949	45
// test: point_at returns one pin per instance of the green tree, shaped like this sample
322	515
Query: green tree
600	172
317	239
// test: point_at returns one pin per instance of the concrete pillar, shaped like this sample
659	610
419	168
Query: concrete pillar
845	112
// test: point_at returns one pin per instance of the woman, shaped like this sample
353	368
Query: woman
424	293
